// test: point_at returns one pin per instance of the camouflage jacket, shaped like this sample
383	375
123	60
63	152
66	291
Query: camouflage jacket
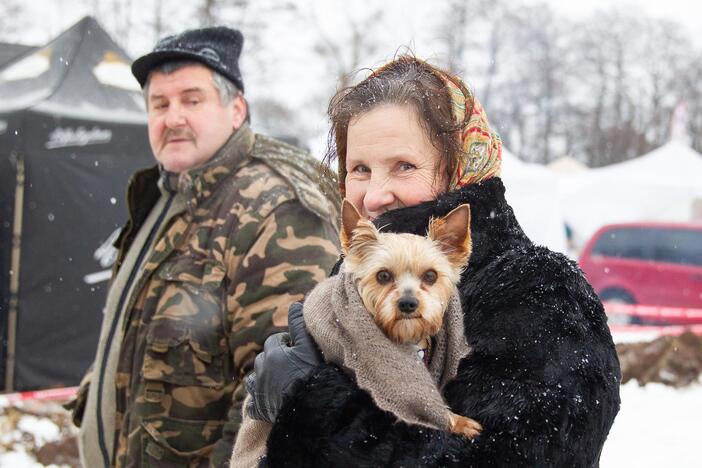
254	235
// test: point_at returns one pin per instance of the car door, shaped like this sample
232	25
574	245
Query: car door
678	256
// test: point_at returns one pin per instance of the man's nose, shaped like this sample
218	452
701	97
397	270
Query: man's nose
378	197
174	116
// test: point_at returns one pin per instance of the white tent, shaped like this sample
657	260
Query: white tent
532	191
659	186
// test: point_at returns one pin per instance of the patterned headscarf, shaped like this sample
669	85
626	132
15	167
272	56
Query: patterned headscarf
481	147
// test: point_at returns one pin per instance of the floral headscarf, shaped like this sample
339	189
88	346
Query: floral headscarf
481	147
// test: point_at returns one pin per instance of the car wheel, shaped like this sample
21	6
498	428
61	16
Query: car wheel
618	296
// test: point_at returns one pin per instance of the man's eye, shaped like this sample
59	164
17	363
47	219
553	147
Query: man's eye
159	106
407	166
194	102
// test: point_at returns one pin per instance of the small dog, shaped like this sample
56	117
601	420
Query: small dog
405	281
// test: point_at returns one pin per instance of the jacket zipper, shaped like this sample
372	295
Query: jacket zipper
113	329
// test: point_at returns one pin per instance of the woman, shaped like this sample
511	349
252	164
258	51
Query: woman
543	376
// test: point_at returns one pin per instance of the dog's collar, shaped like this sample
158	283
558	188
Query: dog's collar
423	350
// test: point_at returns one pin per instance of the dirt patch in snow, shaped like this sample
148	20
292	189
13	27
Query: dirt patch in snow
670	360
61	452
41	430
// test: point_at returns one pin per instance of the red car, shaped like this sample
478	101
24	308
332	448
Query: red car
646	263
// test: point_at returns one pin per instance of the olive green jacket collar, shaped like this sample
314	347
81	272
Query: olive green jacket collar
200	182
147	185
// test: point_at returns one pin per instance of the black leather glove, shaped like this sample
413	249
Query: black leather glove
286	358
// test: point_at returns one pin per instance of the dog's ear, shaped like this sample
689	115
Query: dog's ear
452	232
354	228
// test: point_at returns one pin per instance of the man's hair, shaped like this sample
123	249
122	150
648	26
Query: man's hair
226	89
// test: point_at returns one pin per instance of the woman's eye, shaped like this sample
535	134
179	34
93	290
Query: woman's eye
407	166
361	168
383	276
429	277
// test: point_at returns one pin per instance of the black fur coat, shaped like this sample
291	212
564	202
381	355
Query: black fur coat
543	378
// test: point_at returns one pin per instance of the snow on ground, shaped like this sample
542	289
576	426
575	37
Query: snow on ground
18	459
656	426
34	430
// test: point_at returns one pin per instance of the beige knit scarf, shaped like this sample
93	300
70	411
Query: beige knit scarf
394	375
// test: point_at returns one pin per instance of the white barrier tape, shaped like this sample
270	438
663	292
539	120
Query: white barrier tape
649	311
642	333
611	308
625	314
658	329
65	393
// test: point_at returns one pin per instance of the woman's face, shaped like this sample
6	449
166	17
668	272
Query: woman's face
390	161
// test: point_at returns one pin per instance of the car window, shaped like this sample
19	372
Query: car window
625	243
655	244
678	246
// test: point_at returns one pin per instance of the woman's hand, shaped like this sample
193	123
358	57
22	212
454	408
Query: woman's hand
286	358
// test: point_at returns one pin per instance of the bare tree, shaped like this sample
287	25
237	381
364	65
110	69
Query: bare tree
452	30
497	22
207	12
603	88
602	80
122	24
158	19
543	61
630	71
11	22
692	85
346	53
664	73
524	82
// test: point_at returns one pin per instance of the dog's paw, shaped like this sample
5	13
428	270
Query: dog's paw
468	428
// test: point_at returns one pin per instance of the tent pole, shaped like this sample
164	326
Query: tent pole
14	275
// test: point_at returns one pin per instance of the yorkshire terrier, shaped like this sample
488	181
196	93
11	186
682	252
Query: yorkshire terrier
406	281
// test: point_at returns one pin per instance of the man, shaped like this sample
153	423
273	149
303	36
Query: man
224	234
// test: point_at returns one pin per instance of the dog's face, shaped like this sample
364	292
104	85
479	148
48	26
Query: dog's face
406	281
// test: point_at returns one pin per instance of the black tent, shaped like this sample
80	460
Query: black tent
9	51
72	129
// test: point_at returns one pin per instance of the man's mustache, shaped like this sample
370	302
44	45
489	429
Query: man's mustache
177	134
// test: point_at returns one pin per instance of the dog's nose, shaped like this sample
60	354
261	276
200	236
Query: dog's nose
407	304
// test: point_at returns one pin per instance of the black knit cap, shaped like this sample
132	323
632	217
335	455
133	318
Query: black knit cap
217	48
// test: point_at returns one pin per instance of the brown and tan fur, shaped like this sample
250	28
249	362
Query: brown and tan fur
406	281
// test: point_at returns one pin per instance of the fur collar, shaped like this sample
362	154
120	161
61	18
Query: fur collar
494	229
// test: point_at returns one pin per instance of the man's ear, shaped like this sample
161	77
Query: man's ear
452	233
354	228
240	111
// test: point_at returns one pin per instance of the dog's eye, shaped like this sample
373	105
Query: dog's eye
383	276
429	277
